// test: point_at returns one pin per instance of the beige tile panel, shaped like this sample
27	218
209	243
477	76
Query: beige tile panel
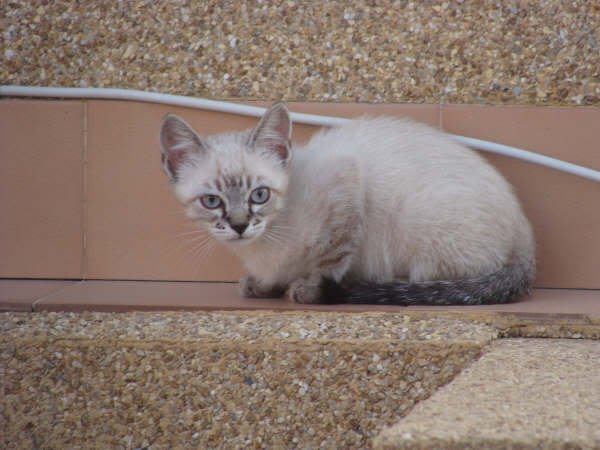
41	151
562	208
136	229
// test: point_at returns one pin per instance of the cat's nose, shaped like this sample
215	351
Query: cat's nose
239	228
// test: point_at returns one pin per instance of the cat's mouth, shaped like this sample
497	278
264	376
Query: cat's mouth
234	238
241	240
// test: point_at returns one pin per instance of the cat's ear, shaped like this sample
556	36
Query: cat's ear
273	133
177	141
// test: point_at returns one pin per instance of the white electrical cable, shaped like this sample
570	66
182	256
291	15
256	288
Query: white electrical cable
153	97
309	119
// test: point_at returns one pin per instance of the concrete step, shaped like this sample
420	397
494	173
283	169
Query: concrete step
221	380
522	393
259	379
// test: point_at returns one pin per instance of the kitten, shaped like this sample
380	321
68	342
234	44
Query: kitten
378	210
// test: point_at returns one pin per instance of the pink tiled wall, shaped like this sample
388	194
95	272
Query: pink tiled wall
82	194
42	151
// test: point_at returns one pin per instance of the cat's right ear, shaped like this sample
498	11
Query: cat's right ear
177	141
273	133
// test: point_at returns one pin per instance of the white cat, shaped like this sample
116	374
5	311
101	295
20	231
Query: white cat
378	210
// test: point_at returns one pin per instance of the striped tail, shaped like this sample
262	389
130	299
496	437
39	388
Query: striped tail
507	285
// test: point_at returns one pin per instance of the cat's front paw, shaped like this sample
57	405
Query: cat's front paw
302	291
251	288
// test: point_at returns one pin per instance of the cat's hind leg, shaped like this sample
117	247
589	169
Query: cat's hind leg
341	231
306	290
330	270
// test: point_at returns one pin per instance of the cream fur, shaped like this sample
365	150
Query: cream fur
377	199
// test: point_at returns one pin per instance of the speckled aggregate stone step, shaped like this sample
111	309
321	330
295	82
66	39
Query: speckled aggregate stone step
521	394
226	380
499	52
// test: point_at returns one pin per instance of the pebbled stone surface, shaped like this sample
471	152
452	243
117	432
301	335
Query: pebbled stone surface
497	52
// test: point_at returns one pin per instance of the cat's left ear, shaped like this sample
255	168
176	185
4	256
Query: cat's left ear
273	133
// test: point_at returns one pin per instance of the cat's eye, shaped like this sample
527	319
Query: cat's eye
260	195
210	201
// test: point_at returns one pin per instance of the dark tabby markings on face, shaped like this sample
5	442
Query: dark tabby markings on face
232	182
217	184
225	182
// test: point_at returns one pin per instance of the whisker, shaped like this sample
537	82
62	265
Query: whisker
182	254
204	249
272	226
281	235
276	232
274	239
203	239
176	242
279	227
187	233
281	231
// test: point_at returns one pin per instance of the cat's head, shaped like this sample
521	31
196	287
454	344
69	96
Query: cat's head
232	184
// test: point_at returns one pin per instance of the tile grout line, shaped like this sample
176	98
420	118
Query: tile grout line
440	106
84	187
